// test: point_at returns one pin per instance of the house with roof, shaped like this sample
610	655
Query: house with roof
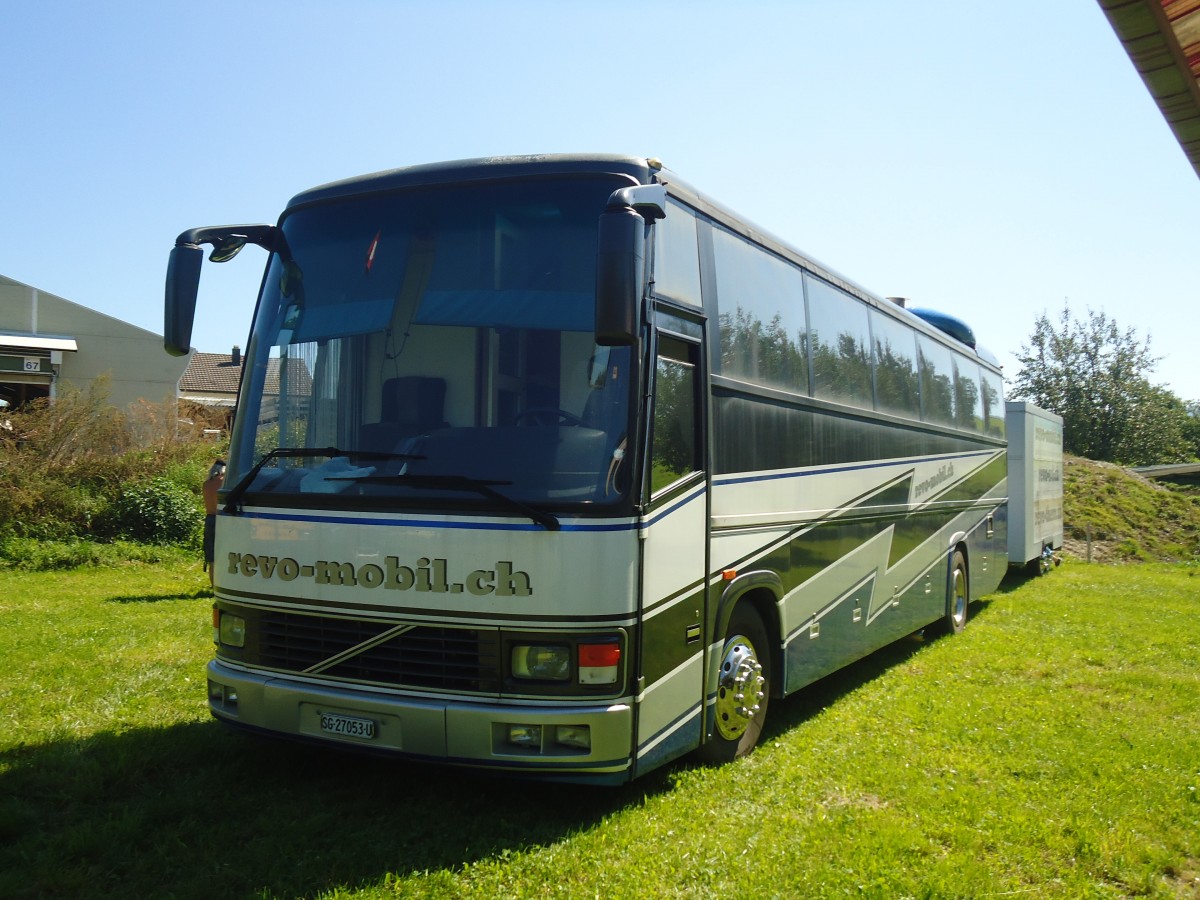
47	342
211	381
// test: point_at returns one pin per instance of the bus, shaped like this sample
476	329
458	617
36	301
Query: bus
552	465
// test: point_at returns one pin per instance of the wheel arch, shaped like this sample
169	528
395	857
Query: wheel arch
762	590
959	543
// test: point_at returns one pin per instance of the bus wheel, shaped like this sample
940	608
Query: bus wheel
743	688
959	598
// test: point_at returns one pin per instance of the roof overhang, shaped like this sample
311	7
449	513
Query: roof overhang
37	342
214	402
1162	38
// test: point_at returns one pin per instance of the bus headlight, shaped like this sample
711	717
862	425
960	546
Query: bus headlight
541	662
233	630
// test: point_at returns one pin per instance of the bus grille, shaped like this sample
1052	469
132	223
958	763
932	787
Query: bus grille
426	657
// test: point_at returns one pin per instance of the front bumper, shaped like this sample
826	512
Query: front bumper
456	732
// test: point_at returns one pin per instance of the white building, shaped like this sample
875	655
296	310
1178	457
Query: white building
46	342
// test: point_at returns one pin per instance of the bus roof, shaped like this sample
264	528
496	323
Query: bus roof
639	169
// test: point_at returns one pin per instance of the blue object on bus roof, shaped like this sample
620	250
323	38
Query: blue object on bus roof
956	328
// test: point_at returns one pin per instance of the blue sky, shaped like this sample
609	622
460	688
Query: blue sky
994	160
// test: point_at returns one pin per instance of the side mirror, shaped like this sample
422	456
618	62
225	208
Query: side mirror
621	261
179	310
183	273
620	267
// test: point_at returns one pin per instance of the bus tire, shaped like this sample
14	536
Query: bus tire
958	599
743	688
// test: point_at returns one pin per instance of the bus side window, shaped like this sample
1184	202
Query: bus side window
676	257
840	337
937	381
897	378
993	403
675	450
968	400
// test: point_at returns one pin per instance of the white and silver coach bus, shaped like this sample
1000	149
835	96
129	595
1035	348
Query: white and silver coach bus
553	465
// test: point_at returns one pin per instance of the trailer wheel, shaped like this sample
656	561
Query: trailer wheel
743	688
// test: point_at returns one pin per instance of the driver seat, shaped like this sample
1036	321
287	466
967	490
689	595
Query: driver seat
409	405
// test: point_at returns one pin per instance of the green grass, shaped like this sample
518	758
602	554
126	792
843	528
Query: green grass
1053	749
1128	518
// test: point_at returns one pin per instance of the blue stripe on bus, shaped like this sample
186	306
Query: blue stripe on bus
472	526
432	523
682	502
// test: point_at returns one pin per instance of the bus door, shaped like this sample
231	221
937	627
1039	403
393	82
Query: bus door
674	539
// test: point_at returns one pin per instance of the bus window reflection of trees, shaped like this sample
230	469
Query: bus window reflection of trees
674	452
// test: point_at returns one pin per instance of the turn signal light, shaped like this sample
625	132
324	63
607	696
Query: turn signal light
599	663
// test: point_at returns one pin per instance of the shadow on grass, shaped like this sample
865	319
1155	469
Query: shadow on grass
1015	579
193	810
808	701
197	594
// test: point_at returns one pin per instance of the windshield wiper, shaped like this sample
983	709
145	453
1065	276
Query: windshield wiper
461	483
232	504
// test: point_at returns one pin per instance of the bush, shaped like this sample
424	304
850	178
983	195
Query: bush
39	555
157	511
33	555
78	470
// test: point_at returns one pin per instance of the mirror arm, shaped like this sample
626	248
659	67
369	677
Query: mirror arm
183	273
260	235
648	200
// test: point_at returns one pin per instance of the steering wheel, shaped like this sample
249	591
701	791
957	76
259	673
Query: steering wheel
546	415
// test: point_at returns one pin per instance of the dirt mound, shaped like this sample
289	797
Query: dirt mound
1116	515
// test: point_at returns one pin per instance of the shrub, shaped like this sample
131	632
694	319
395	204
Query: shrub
39	555
157	511
34	555
77	469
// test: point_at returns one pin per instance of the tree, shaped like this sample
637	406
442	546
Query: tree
1095	376
1158	431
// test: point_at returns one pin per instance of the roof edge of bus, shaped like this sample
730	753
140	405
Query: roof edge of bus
640	168
738	223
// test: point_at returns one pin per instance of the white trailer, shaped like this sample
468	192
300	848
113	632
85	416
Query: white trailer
1035	485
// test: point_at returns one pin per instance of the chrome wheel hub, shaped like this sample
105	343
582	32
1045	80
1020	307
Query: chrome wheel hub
960	597
739	689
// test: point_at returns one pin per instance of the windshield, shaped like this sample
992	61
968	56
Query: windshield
436	345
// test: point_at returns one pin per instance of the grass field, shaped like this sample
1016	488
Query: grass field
1051	750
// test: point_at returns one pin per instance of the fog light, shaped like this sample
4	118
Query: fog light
528	736
577	736
543	663
221	696
233	630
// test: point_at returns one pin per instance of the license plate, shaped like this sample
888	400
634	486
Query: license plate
347	726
